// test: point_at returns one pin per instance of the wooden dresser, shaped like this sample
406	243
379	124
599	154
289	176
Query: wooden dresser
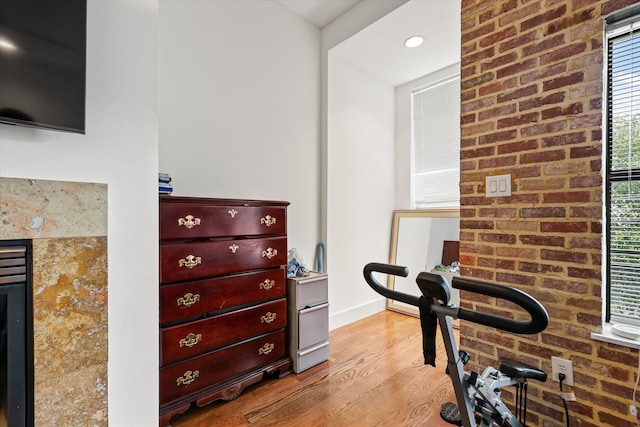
223	306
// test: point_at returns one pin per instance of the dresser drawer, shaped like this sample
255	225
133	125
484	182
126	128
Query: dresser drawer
183	378
188	221
186	300
194	338
196	260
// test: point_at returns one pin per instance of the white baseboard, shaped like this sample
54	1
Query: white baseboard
356	313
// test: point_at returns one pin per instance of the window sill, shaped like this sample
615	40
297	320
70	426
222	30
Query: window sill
607	336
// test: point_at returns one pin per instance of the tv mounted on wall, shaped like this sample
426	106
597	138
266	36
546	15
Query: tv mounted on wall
43	63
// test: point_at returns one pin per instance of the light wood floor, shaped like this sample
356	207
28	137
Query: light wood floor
375	376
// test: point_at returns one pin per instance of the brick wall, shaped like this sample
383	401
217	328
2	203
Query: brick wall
531	106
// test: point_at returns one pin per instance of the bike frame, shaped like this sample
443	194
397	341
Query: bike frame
472	392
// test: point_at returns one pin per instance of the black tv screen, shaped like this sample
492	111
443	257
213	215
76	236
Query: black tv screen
43	63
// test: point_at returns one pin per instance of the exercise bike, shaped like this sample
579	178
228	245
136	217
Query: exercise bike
478	395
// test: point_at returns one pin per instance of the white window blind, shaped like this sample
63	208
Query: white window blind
623	172
436	144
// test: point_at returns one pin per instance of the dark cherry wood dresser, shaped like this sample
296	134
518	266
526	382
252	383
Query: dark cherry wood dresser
223	305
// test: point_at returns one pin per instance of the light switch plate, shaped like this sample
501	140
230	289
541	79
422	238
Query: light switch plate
498	185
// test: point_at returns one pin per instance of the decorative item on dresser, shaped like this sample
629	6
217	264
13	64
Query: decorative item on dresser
223	305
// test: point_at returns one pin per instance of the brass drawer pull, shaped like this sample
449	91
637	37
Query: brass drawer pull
190	261
188	299
268	317
234	248
267	284
266	349
269	253
233	213
268	220
190	340
187	378
188	221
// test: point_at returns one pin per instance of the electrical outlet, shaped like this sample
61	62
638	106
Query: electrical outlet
563	366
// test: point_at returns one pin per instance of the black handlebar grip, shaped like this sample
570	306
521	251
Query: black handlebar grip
539	316
395	270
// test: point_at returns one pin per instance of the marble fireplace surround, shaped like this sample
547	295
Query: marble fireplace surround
67	223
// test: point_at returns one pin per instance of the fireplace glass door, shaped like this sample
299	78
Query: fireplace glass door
15	376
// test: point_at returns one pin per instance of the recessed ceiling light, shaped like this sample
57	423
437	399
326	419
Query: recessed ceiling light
414	41
6	44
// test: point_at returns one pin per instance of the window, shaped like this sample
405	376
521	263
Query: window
436	144
623	170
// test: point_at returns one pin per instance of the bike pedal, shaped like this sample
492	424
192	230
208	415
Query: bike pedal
450	413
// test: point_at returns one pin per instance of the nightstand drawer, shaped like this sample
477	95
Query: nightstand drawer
181	379
182	261
191	339
182	221
187	300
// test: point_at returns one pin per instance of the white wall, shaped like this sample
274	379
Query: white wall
359	189
239	85
356	163
119	149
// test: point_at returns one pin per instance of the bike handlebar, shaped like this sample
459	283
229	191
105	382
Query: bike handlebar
539	316
537	323
396	270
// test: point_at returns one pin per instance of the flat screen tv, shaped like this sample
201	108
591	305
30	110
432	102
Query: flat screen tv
43	63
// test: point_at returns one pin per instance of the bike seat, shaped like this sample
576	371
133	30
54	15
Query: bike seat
515	369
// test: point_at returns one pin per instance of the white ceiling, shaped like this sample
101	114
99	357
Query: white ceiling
318	12
378	50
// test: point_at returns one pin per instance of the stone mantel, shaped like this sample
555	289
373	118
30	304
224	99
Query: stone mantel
67	223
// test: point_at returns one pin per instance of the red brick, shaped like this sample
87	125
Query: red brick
502	110
518	93
555	212
550	113
543	128
476	81
496	37
514	147
580	152
476	225
564	227
477	104
468	118
585	243
518	41
517	68
542	156
547	43
542	73
542	240
541	19
586	181
554	98
563	53
564	256
569	21
583	273
518	120
497	162
499	86
479	56
519	13
561	82
478	32
567	197
565	139
613	5
500	238
494	137
496	263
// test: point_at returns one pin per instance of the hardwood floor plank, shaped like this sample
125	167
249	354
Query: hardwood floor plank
375	376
